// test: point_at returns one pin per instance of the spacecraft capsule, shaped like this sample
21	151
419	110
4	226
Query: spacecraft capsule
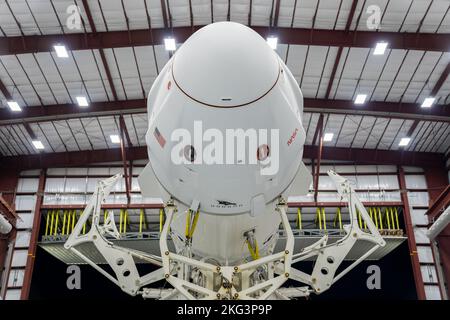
225	138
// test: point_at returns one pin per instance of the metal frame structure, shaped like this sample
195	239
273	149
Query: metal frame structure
196	279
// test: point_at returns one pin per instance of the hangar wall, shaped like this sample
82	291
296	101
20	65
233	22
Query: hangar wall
62	189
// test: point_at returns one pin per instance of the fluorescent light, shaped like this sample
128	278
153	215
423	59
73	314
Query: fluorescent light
404	142
114	138
61	51
380	48
82	101
170	44
272	42
14	106
360	98
328	137
38	144
428	102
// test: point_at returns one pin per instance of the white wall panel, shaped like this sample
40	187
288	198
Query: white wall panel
425	254
51	199
19	258
387	168
388	182
54	185
12	294
135	185
16	277
25	221
366	169
72	199
412	169
328	197
306	198
367	182
25	202
91	184
418	216
420	235
28	185
325	183
98	171
418	198
22	239
56	171
75	185
345	169
415	182
30	173
77	171
429	273
432	293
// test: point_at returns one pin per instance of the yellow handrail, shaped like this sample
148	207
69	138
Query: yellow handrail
324	218
161	219
396	218
299	219
381	217
386	212
141	219
56	222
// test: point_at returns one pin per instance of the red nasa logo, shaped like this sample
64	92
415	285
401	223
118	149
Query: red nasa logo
292	138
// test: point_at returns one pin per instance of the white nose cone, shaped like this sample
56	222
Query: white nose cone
225	65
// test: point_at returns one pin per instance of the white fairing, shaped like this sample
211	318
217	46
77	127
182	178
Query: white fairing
227	77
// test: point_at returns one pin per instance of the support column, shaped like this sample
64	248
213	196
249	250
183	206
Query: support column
410	235
34	237
437	183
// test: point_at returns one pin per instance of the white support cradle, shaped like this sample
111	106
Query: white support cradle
195	279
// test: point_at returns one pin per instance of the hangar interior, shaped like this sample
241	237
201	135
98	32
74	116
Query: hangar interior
73	111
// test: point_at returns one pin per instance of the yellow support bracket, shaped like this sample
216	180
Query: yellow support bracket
120	220
63	230
161	219
324	219
55	231
388	220
84	225
299	219
359	218
141	220
340	218
125	220
52	213
253	252
74	217
396	218
375	216
380	217
189	232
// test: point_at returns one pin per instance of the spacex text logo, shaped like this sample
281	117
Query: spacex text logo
237	146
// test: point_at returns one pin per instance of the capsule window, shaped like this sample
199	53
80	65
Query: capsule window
189	153
262	152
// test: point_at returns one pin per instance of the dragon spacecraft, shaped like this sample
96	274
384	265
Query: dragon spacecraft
225	145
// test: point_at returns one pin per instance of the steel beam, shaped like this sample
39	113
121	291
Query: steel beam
377	109
318	134
411	237
299	36
34	238
357	156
